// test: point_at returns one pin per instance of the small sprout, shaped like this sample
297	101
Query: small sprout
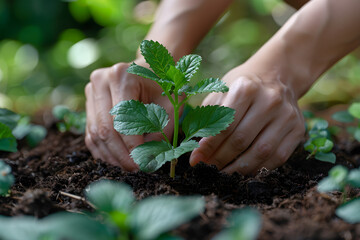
69	120
319	144
338	180
135	118
245	224
32	133
7	140
352	115
6	178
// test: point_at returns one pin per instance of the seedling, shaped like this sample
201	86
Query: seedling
339	179
135	118
319	144
352	115
6	178
245	224
117	216
69	120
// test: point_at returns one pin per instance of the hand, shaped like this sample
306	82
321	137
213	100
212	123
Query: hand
107	87
267	128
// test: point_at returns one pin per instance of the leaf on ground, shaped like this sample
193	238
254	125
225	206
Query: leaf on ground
326	157
154	216
157	56
207	86
343	116
189	65
109	196
7	140
207	121
150	156
9	118
135	118
350	211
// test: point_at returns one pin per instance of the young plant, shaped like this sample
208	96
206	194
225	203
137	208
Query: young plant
339	179
135	118
319	144
6	178
117	217
69	120
352	115
245	224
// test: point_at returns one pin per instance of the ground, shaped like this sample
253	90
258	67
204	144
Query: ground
291	207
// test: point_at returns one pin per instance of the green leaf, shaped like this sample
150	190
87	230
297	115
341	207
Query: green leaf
36	135
55	227
354	178
350	211
142	72
135	118
189	65
328	185
109	196
308	114
343	116
354	110
245	224
7	140
326	157
157	56
357	134
60	111
176	76
6	178
323	144
319	124
338	173
150	156
9	118
207	86
207	121
154	216
335	180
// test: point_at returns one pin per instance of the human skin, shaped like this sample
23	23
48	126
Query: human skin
264	90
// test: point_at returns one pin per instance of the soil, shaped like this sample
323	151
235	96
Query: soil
287	198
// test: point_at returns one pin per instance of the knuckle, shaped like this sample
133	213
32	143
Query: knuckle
282	157
275	98
239	142
104	132
119	69
263	151
247	87
88	89
97	75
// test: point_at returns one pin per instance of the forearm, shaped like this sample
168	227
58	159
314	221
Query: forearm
181	25
316	37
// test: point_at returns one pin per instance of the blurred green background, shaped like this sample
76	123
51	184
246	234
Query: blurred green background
48	48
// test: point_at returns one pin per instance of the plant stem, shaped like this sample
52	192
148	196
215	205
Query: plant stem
176	133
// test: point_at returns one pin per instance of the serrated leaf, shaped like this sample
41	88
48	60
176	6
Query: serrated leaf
7	140
343	116
189	65
176	76
207	121
245	224
142	72
154	216
354	110
326	157
150	156
109	196
9	118
135	118
207	86
350	211
157	56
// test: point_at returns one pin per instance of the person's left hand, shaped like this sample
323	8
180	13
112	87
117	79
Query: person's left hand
267	128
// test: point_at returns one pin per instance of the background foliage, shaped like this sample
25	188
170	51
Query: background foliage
49	48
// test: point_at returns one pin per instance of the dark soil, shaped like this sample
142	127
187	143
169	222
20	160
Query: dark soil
287	198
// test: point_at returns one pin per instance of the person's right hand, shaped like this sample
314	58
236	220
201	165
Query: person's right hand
107	87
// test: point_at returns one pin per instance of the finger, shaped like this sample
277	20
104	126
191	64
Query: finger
240	97
101	129
262	149
124	86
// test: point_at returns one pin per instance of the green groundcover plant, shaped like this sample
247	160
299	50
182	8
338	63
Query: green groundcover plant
135	118
15	127
319	144
6	178
339	179
117	217
352	115
69	120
